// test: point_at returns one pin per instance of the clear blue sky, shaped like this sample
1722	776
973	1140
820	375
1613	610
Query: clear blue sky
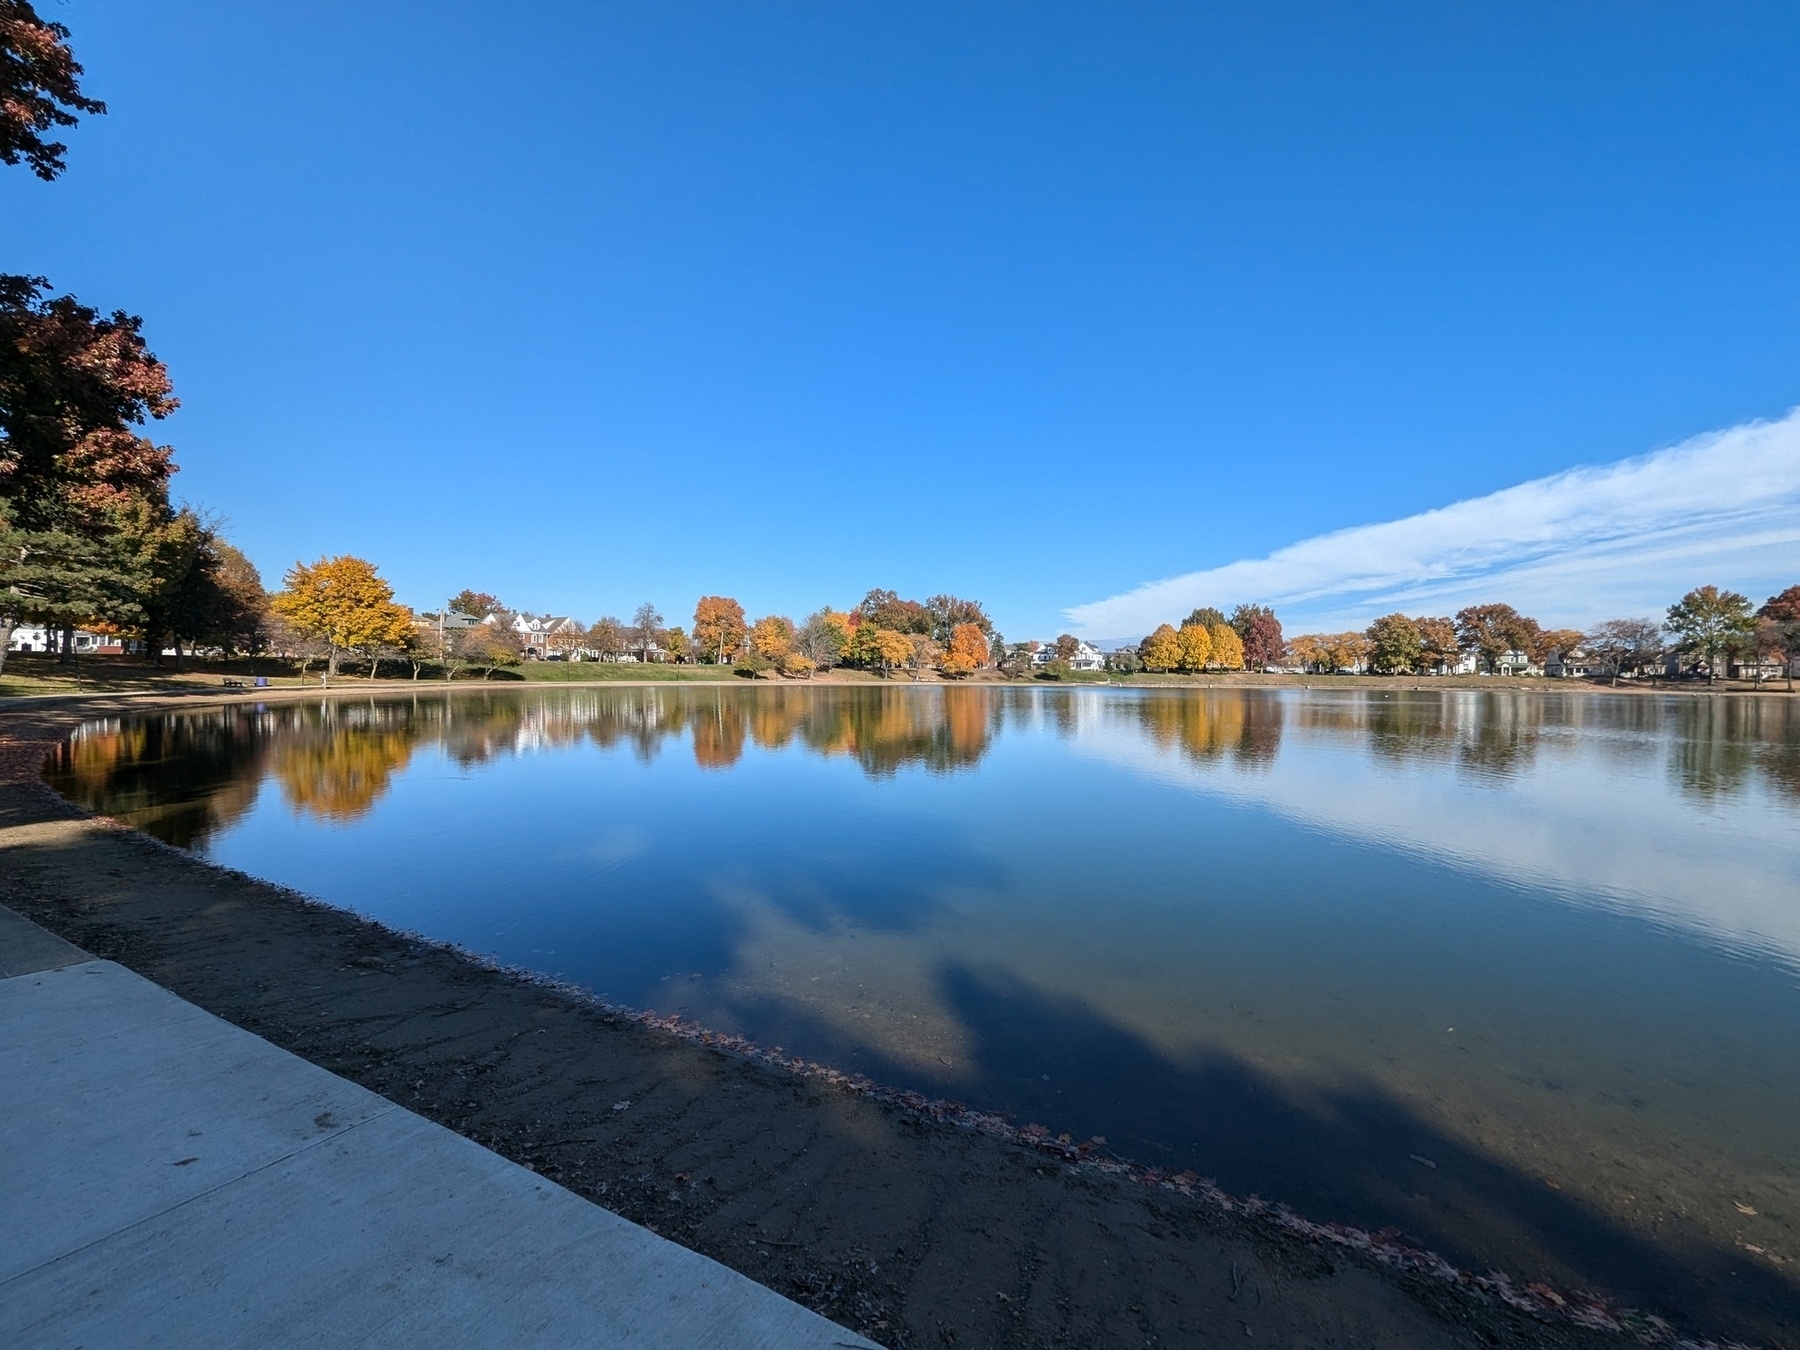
588	303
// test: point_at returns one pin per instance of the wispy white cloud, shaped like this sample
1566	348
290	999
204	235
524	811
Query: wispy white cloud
1573	548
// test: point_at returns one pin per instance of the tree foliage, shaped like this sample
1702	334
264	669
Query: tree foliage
1395	646
772	638
1196	646
40	89
476	604
1438	649
1227	647
719	628
1162	650
1491	631
1259	631
966	651
1710	623
489	647
1206	616
345	604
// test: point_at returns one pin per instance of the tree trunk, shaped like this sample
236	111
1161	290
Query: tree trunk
68	646
8	627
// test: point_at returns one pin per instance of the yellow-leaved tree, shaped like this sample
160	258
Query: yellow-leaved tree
1196	646
1161	650
772	638
968	650
344	603
1227	647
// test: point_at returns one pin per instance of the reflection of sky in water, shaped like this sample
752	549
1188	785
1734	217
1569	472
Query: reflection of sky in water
1275	938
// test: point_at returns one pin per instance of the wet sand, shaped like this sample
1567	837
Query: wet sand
916	1231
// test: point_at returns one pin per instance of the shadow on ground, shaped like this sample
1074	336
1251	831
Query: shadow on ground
1350	1156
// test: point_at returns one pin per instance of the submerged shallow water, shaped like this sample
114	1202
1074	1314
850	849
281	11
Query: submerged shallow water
1518	974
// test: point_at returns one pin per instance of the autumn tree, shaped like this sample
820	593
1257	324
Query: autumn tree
607	637
719	627
1227	647
1395	647
344	603
1196	646
646	627
476	604
966	651
772	638
1491	631
1162	650
675	642
1783	611
1625	644
1438	649
882	648
1260	633
1710	623
1346	651
1308	651
40	89
1547	642
885	609
489	647
566	640
1067	645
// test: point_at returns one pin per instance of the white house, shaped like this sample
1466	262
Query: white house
37	638
1087	656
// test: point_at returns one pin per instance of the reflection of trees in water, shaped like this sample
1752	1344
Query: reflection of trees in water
335	768
184	776
1721	744
180	777
1212	725
940	729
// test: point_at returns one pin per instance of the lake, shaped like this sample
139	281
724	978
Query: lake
1515	973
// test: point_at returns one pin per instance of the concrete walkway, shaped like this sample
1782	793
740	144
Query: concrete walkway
168	1179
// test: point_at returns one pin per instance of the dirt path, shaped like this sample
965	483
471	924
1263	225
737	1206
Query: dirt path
914	1232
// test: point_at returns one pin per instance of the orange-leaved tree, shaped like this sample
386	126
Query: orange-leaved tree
968	650
343	603
719	628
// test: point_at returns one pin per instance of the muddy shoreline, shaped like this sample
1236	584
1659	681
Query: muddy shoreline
915	1226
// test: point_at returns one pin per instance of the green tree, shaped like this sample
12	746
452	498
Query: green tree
1395	646
1710	623
1206	616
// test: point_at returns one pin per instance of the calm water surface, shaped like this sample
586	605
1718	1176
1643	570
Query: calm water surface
1517	974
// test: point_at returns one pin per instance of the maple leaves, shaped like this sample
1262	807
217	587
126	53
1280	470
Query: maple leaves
40	89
